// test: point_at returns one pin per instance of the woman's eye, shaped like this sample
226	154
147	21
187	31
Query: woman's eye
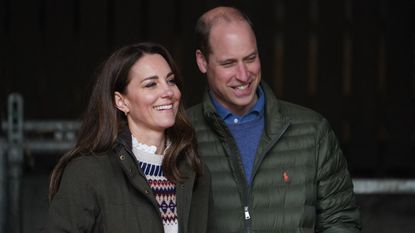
152	84
172	81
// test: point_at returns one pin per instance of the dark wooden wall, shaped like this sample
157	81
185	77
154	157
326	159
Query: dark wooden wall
351	60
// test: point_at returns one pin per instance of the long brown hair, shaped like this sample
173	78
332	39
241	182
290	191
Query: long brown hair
103	121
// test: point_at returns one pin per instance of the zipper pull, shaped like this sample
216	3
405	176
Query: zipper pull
247	216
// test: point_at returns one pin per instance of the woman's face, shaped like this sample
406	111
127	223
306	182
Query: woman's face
152	97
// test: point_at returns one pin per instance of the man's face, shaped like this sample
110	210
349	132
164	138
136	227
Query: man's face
233	68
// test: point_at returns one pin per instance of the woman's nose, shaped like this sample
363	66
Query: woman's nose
168	91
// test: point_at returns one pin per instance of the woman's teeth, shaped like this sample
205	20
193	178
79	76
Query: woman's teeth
164	107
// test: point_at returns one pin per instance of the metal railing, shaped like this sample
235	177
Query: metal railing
58	136
37	137
384	186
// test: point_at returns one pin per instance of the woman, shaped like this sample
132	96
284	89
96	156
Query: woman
135	166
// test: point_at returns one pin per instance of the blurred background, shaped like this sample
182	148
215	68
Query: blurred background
351	60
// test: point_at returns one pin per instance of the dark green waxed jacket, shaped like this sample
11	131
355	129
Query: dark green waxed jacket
300	177
108	193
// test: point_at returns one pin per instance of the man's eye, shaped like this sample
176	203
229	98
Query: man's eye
227	64
251	59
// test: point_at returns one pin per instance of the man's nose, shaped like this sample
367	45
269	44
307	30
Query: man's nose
242	74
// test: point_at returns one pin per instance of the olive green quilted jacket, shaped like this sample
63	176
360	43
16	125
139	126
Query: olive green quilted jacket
300	177
108	193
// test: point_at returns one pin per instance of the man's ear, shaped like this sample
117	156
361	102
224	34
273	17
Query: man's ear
121	102
201	61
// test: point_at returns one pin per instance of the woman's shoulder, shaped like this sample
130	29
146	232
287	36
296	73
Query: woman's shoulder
90	159
88	164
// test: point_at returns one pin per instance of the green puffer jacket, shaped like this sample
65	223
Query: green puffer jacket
108	193
300	177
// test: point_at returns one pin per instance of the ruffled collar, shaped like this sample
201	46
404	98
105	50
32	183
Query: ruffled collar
151	149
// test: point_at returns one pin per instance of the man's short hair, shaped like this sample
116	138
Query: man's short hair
205	23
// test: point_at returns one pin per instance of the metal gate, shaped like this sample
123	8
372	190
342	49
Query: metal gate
39	137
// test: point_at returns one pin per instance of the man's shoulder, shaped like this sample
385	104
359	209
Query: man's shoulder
298	113
197	108
276	106
197	118
195	111
296	109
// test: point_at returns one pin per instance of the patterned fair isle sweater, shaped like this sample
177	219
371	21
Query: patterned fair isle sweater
163	190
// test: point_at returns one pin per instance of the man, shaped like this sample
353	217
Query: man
276	166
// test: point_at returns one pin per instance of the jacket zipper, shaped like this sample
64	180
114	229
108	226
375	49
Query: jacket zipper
246	196
249	191
247	216
245	193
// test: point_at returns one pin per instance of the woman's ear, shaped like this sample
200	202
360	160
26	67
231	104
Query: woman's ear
121	103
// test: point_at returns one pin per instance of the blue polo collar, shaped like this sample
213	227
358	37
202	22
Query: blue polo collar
256	112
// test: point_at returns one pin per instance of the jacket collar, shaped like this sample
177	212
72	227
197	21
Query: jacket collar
124	145
124	155
124	138
275	119
273	114
276	124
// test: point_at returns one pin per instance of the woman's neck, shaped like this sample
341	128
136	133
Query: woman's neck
151	139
